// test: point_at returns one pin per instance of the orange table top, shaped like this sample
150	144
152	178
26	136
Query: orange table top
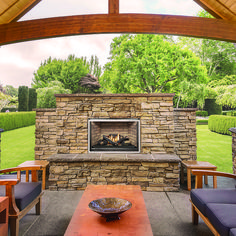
198	164
135	221
42	163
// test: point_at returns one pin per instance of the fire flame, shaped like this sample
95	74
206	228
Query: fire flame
114	138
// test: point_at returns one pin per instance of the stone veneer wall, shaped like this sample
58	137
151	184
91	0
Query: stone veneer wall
165	130
185	133
153	172
233	130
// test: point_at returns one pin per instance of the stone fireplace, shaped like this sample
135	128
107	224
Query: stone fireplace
114	135
115	139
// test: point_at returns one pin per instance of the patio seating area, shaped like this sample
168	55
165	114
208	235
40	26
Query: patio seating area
169	212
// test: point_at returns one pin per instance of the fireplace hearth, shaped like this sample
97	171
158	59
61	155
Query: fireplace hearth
114	135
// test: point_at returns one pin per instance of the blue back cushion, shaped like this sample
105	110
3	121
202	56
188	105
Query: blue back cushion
201	197
232	232
25	193
222	217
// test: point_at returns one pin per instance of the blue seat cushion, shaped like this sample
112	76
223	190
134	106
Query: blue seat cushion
232	232
201	197
25	193
222	217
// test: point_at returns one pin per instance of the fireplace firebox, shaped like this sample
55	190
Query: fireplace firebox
114	135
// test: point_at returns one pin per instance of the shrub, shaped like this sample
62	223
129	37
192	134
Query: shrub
221	124
23	98
229	113
202	113
212	108
14	120
10	109
32	99
202	122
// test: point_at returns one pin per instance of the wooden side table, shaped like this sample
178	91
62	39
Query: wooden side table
42	163
202	165
4	208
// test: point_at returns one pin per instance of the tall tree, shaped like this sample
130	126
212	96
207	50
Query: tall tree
219	57
150	64
68	72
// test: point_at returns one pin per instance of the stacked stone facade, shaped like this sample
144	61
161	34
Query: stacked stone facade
185	133
163	130
156	172
233	130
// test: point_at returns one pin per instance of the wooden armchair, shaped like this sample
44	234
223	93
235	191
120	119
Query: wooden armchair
216	207
22	195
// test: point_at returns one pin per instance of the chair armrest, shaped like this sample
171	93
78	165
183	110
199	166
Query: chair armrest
9	181
200	173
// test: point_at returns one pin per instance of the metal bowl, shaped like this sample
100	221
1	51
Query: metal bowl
110	208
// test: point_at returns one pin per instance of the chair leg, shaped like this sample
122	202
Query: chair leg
14	226
194	216
38	207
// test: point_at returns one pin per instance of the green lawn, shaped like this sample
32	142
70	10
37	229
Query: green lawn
214	148
17	146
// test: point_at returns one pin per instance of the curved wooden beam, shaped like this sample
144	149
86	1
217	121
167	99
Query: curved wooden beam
117	23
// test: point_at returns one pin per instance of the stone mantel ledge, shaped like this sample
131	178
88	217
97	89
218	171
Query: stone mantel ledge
233	130
115	157
117	95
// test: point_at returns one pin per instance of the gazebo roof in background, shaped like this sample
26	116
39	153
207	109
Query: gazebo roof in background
221	28
13	10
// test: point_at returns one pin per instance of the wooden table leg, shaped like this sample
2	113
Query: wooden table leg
189	178
44	179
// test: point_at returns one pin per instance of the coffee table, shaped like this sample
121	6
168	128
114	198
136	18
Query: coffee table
200	165
135	221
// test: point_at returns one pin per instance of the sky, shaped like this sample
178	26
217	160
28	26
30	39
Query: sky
19	61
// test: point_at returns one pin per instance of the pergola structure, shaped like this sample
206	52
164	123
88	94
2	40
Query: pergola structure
223	27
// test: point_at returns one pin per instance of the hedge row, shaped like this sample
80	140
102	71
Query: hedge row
14	120
202	122
202	113
229	113
221	124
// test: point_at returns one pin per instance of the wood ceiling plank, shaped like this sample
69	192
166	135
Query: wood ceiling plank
117	23
113	6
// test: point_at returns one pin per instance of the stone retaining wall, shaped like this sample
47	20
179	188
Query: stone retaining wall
185	133
157	172
233	130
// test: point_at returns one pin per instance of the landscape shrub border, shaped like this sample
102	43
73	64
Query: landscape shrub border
15	120
202	113
202	122
221	124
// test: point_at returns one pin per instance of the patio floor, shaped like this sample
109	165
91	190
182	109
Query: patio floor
169	213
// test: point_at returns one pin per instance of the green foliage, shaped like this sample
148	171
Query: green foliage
4	100
229	113
202	122
32	99
23	98
226	95
221	124
151	64
10	109
10	90
68	72
202	113
212	107
15	120
46	98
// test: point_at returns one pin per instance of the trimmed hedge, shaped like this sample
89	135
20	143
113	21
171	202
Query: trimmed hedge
15	120
221	124
229	113
202	122
23	98
32	103
202	113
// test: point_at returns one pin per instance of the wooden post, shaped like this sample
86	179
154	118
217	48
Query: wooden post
113	7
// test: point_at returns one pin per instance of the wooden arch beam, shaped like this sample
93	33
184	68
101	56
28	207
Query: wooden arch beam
117	23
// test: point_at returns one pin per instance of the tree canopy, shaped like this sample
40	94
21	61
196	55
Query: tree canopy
150	64
68	72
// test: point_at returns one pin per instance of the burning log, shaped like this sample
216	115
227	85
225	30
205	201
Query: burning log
113	139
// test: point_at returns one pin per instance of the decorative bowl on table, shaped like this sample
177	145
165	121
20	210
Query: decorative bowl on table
110	208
